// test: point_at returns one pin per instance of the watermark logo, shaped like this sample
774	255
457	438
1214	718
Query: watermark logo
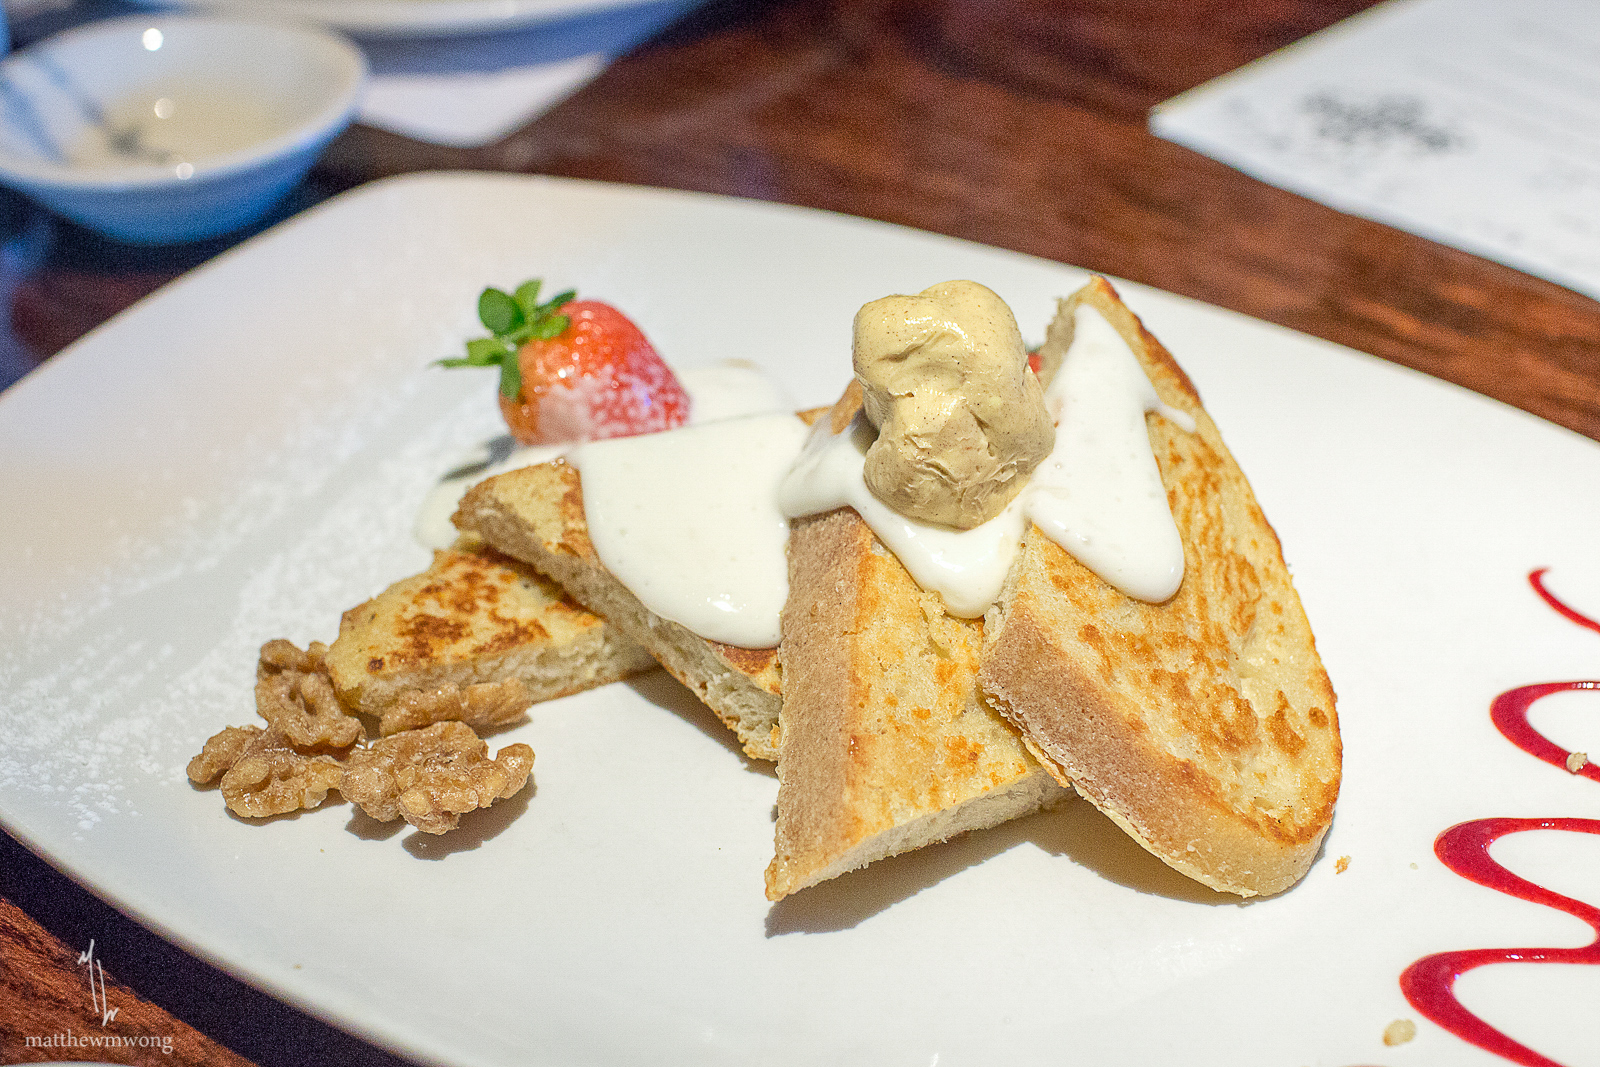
97	985
100	1041
104	1013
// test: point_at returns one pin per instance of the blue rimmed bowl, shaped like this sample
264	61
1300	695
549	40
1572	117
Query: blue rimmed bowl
172	128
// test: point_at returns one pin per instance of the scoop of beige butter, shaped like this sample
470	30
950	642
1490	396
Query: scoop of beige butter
961	420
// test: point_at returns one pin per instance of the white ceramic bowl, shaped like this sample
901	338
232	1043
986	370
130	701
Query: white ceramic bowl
172	128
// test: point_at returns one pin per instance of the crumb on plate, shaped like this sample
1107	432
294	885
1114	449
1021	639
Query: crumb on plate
1399	1032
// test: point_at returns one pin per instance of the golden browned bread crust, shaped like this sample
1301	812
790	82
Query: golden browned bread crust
887	743
536	515
475	616
1204	726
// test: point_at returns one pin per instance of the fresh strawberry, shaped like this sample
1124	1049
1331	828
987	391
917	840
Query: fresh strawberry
572	370
598	378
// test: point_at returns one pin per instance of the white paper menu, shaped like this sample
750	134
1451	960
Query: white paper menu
1475	123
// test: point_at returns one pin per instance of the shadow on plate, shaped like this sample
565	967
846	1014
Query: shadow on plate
475	828
1075	830
666	692
367	828
1078	831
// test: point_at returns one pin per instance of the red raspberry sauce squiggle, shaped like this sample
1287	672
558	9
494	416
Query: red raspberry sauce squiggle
1509	711
1429	983
1536	579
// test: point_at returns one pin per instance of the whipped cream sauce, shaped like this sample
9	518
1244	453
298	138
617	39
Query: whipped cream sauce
1098	494
725	390
688	521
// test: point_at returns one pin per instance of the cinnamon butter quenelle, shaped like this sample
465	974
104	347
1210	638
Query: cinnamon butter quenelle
983	580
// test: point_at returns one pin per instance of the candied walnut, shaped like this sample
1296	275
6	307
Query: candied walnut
304	708
432	776
481	705
221	751
279	655
263	774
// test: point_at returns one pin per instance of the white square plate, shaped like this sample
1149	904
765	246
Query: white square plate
240	457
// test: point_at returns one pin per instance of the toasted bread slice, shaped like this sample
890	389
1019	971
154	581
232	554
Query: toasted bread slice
536	515
887	742
474	618
1203	726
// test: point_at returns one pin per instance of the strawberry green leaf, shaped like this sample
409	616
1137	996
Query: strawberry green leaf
498	311
550	326
527	298
510	377
555	302
482	352
487	351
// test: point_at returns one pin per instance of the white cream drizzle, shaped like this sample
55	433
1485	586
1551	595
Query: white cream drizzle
688	521
1099	493
724	390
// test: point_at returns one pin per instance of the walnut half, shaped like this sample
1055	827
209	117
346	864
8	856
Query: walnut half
294	695
262	774
280	654
432	776
304	708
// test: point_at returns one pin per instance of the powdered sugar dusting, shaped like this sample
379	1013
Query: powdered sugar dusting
123	685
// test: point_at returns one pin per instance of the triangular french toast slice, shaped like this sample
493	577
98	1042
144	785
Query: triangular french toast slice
536	515
1203	726
474	618
887	743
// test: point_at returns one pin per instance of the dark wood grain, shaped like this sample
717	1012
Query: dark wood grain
43	984
1014	123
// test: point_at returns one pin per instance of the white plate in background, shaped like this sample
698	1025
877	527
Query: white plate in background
240	457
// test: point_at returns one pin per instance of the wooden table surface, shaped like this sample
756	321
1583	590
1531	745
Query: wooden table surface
1014	123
